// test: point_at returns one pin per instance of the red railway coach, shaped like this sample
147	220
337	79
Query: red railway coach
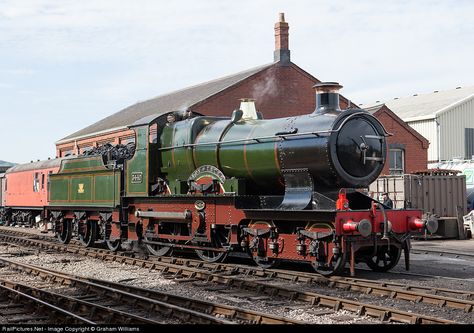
25	191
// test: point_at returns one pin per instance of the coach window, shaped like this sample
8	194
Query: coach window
36	183
49	175
42	181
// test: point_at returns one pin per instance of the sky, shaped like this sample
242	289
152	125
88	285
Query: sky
67	64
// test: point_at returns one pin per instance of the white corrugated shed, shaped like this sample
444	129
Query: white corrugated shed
453	121
427	128
452	110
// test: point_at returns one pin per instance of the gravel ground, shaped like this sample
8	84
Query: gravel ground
443	272
145	278
460	271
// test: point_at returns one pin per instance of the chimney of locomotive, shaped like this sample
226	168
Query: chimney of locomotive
282	51
327	97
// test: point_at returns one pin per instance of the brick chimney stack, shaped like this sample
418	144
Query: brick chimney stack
282	52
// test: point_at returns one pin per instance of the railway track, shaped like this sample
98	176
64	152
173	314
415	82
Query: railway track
154	307
430	295
90	312
17	307
226	274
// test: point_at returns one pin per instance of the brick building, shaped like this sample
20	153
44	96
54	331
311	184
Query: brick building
280	89
407	149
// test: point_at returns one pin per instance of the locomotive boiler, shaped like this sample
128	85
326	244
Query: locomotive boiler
278	189
332	148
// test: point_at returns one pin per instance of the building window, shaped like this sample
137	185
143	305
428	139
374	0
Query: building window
124	141
397	161
105	143
65	153
82	150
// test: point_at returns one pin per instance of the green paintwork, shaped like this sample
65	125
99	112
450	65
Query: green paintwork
241	160
85	181
82	163
81	188
58	188
206	154
235	185
183	157
179	163
136	178
105	187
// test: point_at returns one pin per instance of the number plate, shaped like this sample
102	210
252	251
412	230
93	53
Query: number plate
137	177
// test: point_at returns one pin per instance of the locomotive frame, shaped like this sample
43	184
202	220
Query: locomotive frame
163	200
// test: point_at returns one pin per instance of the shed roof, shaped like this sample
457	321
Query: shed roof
174	101
374	109
428	104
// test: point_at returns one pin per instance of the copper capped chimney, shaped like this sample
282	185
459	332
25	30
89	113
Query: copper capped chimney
327	97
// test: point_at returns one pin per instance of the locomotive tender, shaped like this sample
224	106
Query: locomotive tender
278	189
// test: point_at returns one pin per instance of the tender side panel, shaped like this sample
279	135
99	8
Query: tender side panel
93	188
85	181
